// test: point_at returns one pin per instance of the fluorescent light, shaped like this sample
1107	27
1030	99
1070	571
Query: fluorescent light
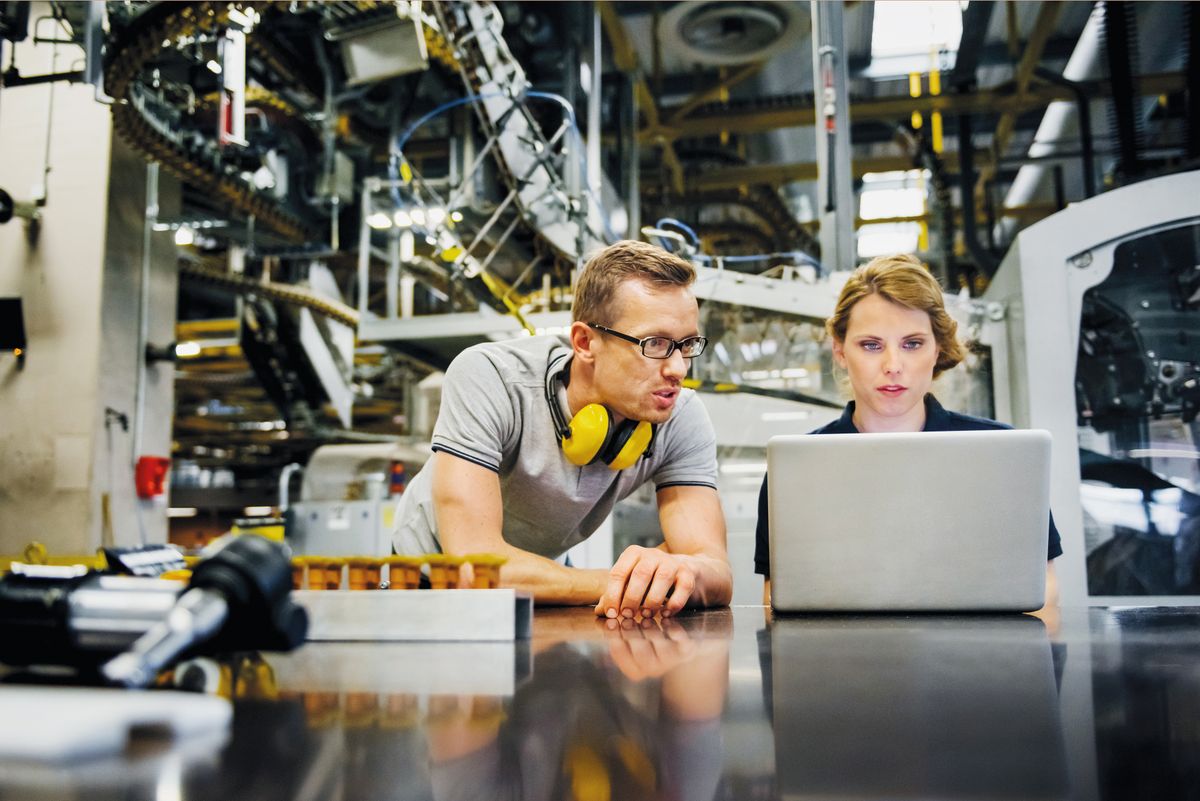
186	349
901	177
258	511
214	67
744	468
780	417
876	204
402	219
418	216
379	220
436	216
910	28
184	236
884	239
1162	453
182	511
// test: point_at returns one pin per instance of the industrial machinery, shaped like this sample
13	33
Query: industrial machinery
347	498
1102	348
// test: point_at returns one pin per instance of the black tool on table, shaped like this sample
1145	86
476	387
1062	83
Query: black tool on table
129	627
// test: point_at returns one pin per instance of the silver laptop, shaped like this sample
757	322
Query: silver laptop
931	521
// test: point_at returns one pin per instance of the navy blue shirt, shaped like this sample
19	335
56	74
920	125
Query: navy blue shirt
937	418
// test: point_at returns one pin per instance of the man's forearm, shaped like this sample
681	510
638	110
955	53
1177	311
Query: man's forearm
550	582
467	505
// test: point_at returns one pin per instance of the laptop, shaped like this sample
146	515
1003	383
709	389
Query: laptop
932	521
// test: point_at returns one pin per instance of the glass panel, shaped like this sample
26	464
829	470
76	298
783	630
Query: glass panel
1137	393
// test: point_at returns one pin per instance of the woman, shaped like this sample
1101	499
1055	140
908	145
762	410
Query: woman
892	335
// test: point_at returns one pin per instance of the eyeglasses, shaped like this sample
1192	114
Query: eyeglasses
660	347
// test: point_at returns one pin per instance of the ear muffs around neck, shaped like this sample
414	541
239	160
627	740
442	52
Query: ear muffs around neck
591	436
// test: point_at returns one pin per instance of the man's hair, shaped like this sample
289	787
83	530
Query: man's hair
627	260
903	280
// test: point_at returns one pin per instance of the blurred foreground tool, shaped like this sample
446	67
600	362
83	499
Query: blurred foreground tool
238	598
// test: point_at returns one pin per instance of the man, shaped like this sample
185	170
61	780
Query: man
502	479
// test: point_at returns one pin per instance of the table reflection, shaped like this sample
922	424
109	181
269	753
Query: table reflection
855	707
634	715
928	707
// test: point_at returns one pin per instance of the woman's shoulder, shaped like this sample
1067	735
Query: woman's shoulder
939	418
841	425
956	421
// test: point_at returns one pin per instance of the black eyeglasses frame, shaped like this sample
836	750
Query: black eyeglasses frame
676	344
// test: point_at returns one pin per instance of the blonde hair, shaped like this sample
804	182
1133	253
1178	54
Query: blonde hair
903	280
624	261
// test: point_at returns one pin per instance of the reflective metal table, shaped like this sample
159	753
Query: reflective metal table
1099	704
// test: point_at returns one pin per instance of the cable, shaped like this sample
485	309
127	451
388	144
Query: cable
787	254
401	140
681	226
664	236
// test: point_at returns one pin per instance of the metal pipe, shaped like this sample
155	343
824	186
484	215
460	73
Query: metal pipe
392	286
1193	81
835	195
985	259
364	249
596	64
1120	40
633	163
1084	64
1083	109
285	476
14	79
139	408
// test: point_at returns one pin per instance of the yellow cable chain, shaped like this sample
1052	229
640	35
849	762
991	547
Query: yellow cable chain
129	124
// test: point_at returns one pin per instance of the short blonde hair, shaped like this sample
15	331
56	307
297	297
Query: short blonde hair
626	260
903	280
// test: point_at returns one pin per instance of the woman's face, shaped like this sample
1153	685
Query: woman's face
889	353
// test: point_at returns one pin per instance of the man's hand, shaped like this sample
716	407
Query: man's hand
646	582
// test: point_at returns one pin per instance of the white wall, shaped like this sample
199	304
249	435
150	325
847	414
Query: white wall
79	282
47	409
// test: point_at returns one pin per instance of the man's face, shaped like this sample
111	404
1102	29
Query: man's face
630	384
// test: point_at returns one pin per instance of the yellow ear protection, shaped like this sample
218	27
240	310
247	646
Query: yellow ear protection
591	436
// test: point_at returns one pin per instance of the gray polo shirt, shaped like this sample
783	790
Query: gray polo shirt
494	413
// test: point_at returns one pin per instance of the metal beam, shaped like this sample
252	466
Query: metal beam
975	21
835	186
1043	26
626	59
713	92
1032	211
801	112
426	328
1120	35
778	174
